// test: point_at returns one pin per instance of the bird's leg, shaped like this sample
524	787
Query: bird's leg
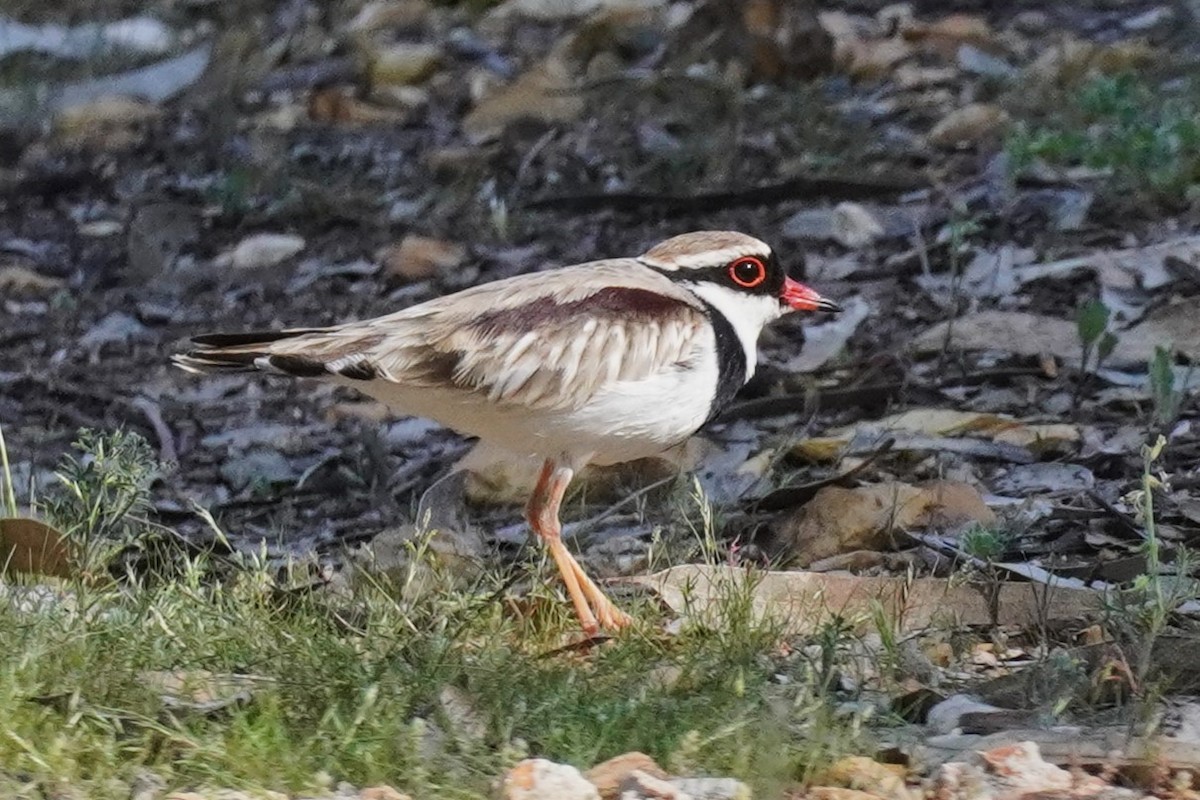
542	513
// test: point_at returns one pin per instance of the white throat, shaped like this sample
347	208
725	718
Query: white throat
747	313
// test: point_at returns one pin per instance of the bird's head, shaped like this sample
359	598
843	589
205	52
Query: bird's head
736	273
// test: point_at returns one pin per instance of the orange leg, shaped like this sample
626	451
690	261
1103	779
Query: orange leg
592	607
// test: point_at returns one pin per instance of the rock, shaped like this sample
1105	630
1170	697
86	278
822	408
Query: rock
147	785
711	788
117	328
1015	771
540	779
402	64
607	776
969	126
463	719
262	250
640	785
839	520
416	258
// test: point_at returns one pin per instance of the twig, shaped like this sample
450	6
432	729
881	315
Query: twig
166	439
1124	519
829	187
861	395
792	496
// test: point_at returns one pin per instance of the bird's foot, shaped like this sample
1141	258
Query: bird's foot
612	618
604	610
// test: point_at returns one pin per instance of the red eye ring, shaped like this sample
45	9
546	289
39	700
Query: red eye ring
748	272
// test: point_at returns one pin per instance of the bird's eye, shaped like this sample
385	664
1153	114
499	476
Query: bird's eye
748	272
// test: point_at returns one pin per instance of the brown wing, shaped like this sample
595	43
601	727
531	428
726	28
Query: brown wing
546	340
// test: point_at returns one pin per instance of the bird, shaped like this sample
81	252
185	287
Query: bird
596	363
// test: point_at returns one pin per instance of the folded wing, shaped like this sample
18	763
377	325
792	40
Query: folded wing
549	340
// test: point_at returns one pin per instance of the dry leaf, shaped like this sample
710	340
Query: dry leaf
1056	437
34	548
16	279
860	772
804	602
937	422
107	123
262	250
1073	61
402	64
339	105
544	94
839	520
914	76
201	690
948	34
874	59
389	14
558	10
824	342
854	226
1020	333
416	258
786	40
969	126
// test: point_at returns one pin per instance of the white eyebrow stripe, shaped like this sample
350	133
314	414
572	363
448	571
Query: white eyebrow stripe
708	258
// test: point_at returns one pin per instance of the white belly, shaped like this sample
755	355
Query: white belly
625	421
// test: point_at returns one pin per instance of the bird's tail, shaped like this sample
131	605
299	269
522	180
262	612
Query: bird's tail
247	352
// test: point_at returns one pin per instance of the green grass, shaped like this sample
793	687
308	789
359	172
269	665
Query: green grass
368	683
1147	135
